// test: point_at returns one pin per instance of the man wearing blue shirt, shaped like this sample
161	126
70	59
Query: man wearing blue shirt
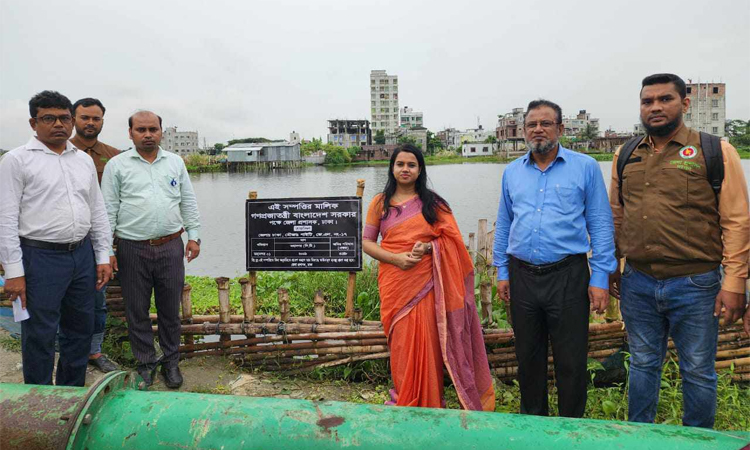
553	211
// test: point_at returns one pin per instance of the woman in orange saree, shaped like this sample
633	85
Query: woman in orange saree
426	284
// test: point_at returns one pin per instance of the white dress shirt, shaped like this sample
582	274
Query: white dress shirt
49	197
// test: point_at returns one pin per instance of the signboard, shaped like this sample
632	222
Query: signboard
304	234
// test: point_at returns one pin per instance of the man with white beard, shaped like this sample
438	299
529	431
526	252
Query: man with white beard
553	211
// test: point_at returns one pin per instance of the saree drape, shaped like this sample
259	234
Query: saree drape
429	312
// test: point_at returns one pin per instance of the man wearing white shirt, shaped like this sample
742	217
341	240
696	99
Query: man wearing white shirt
55	241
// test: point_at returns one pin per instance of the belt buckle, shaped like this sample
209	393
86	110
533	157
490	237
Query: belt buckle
151	242
72	246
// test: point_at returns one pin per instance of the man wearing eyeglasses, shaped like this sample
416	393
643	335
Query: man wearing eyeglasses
55	241
553	211
89	120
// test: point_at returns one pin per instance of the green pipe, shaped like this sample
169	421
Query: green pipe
114	414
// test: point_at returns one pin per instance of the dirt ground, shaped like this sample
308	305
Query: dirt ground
218	375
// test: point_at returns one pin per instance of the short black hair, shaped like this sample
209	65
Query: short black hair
130	119
49	99
534	104
664	78
88	101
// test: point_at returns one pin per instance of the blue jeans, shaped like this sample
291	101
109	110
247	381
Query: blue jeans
680	308
100	320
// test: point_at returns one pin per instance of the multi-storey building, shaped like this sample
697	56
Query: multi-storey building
708	107
180	142
411	118
384	102
450	137
349	133
575	125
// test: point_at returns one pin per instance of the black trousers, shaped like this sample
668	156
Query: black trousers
145	268
552	307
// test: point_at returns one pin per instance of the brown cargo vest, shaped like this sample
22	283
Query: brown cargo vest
671	219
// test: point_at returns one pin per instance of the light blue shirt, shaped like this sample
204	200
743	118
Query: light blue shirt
149	200
547	215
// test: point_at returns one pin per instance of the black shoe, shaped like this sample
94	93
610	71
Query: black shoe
103	364
148	374
172	376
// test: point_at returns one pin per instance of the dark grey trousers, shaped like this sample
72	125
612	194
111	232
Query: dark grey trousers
159	269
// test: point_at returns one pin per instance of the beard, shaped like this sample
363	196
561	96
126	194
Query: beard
661	130
89	133
541	148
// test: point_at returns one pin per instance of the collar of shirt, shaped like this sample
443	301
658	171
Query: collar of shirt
77	143
134	154
562	154
680	138
35	144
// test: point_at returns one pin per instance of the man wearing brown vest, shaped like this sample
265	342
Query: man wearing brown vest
89	119
674	232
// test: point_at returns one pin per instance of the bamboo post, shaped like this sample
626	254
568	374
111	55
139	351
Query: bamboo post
472	246
352	284
187	311
283	304
252	276
248	300
320	308
485	288
357	316
224	313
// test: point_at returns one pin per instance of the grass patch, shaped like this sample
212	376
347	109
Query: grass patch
11	344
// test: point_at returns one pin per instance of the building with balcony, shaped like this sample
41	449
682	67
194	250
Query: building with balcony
575	125
384	110
349	133
411	118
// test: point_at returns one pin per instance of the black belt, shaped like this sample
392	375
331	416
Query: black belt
53	245
551	267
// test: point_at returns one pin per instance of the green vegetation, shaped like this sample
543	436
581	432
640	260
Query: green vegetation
10	343
379	138
336	156
204	163
251	140
738	132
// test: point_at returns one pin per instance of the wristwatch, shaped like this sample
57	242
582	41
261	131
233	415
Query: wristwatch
198	241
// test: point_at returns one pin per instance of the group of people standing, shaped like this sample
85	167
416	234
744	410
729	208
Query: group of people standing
671	214
677	214
57	230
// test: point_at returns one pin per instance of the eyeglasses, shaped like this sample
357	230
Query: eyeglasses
546	124
95	119
49	119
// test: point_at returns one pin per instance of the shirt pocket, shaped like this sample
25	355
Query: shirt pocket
171	186
81	182
570	197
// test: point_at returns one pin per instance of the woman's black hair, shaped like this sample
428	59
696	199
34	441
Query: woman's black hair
431	201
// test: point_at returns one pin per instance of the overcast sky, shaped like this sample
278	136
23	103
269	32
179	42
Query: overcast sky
232	69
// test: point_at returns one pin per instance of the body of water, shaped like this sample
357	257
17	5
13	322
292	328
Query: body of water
472	190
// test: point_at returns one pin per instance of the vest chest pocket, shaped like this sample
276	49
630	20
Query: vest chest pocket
633	181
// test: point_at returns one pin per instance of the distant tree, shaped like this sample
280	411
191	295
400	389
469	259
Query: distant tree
589	133
219	147
252	140
434	145
336	155
380	137
738	132
308	148
565	141
490	140
354	151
